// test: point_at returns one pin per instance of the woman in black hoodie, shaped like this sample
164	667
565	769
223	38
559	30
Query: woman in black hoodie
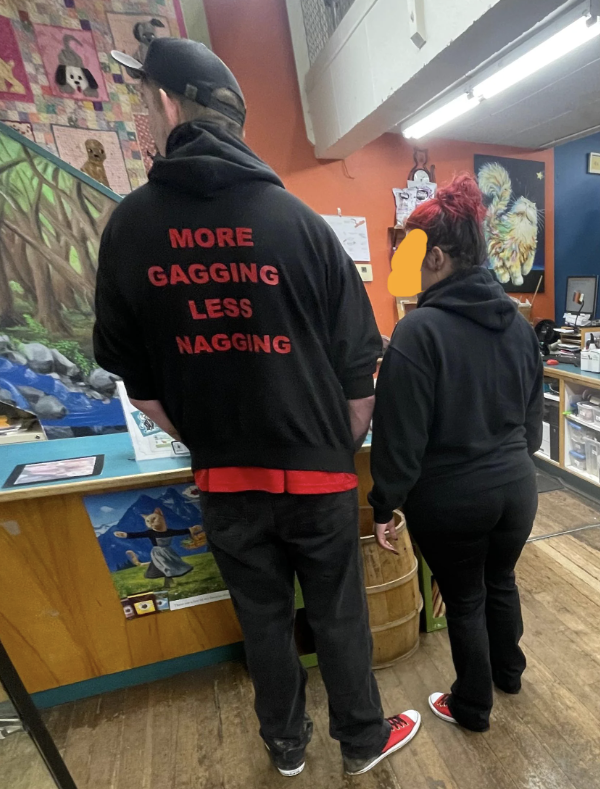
457	419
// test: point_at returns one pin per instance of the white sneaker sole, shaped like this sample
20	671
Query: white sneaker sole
440	716
396	748
288	773
292	773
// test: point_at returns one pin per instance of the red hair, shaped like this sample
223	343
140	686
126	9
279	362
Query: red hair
453	222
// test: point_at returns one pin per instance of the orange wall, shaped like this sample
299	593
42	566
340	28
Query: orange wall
253	38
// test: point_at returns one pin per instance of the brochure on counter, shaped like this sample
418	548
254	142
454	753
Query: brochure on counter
149	441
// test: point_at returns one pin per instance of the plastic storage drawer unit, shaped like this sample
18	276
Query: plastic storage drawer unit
585	411
578	461
592	453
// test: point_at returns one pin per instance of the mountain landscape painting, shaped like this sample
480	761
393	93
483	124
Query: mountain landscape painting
155	548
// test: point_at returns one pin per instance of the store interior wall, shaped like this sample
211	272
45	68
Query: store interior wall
577	227
253	38
194	17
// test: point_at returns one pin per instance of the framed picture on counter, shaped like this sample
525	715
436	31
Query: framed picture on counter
55	470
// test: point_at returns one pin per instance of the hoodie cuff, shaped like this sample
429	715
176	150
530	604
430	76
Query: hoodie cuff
380	513
359	388
382	516
140	390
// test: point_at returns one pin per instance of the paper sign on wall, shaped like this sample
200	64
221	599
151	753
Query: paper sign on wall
352	233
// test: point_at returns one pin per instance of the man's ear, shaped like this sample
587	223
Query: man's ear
171	107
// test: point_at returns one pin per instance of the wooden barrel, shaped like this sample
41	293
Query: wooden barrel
392	593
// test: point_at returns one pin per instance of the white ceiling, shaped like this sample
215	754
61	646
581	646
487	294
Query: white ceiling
560	102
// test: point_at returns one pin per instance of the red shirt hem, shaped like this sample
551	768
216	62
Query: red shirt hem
235	479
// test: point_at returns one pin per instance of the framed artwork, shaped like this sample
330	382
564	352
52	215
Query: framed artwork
515	195
594	164
71	63
132	33
14	83
96	153
55	471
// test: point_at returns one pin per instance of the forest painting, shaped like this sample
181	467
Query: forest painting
51	222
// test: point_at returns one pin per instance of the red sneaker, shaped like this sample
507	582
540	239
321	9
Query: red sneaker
439	706
404	728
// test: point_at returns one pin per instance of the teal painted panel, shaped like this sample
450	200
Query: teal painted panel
137	676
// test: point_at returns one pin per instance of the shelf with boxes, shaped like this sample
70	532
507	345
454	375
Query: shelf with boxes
571	438
582	430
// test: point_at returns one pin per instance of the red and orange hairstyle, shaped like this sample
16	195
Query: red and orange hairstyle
453	222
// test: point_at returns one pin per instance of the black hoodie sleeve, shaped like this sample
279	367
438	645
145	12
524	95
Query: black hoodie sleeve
118	346
535	411
355	338
401	424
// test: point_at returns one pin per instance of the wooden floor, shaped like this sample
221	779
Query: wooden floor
198	731
21	766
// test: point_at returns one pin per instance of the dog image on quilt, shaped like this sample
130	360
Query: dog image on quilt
145	33
94	166
72	77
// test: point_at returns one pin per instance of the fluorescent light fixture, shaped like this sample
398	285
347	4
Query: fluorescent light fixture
449	112
557	46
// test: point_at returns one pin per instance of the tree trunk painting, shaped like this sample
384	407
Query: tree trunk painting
51	222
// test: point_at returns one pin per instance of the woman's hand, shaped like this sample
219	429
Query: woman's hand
121	535
385	532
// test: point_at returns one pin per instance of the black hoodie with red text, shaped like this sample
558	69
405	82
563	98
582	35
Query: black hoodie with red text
459	396
231	302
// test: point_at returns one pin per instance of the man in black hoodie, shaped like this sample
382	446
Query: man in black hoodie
238	323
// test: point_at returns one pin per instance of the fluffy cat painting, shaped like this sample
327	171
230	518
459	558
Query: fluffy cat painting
514	194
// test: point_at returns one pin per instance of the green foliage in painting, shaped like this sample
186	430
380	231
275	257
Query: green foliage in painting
204	579
50	228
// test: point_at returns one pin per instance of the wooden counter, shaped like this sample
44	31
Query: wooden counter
61	620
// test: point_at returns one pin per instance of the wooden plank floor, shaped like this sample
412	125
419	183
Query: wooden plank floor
560	510
21	766
198	730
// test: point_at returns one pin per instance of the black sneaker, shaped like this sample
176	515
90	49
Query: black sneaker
288	755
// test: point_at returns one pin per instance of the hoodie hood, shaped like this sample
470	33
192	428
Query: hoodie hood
203	159
475	295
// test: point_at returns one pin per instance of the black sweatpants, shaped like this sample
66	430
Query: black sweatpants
472	543
260	541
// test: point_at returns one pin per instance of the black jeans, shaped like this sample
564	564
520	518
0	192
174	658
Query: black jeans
260	541
472	543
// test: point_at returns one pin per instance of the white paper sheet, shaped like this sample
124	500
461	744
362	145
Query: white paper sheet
352	232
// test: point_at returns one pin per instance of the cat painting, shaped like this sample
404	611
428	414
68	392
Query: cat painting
511	226
164	561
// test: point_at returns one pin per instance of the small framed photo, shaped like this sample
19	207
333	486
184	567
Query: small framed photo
594	164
